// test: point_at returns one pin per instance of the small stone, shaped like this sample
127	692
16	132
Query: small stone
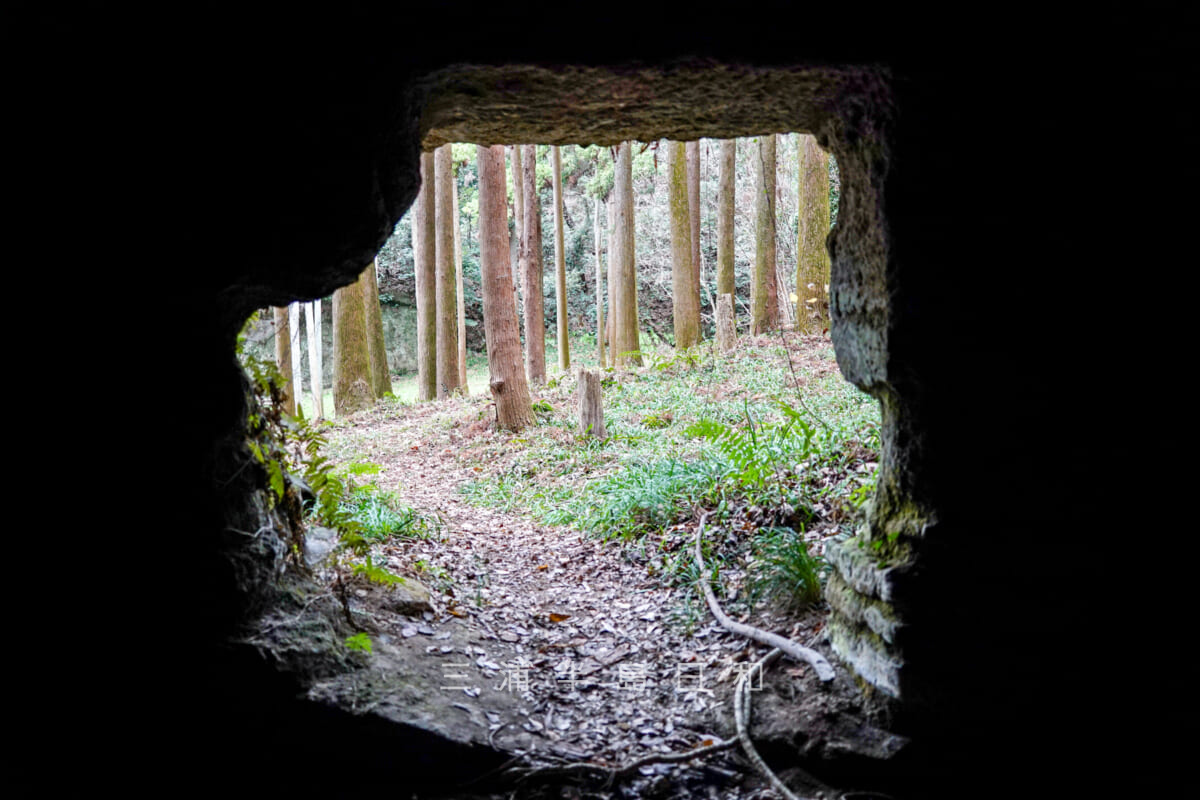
408	630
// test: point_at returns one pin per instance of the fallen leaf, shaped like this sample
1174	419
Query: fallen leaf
558	617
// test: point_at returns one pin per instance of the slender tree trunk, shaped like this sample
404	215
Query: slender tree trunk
812	257
445	290
685	297
283	358
560	266
507	376
599	286
611	326
763	291
425	258
461	305
294	337
351	364
531	260
312	318
625	302
381	376
693	193
725	193
518	179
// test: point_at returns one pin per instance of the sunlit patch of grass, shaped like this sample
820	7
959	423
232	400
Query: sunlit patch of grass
650	472
383	516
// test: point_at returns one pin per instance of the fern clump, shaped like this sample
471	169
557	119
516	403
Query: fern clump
760	451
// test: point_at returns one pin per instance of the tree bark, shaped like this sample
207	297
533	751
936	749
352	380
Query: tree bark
381	376
812	257
610	325
725	192
514	409
351	363
531	266
459	301
693	193
560	267
283	359
294	338
445	290
625	312
726	330
591	404
312	317
599	286
518	179
425	259
763	290
685	294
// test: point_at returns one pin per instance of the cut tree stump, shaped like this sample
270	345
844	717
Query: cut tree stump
726	330
591	406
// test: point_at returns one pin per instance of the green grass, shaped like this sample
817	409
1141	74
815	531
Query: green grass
789	573
653	469
379	514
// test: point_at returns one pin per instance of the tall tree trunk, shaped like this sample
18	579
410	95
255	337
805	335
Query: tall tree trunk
445	290
459	302
560	266
381	376
763	291
611	325
283	358
312	318
812	257
351	363
625	310
425	259
725	193
599	285
685	296
531	261
294	338
518	179
507	375
693	193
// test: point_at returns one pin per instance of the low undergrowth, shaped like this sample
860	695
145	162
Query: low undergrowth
771	439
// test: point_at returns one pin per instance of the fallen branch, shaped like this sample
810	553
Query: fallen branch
741	692
741	715
799	652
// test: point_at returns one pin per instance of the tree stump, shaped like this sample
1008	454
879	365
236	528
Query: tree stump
591	406
726	330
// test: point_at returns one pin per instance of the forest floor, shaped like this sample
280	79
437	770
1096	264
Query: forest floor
588	641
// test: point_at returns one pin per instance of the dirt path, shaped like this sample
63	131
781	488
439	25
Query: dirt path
565	646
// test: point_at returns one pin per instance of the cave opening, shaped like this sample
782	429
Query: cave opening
920	598
693	101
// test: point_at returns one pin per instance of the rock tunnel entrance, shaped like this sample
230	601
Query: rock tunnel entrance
901	591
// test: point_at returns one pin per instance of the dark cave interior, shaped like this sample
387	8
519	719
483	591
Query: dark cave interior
963	297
